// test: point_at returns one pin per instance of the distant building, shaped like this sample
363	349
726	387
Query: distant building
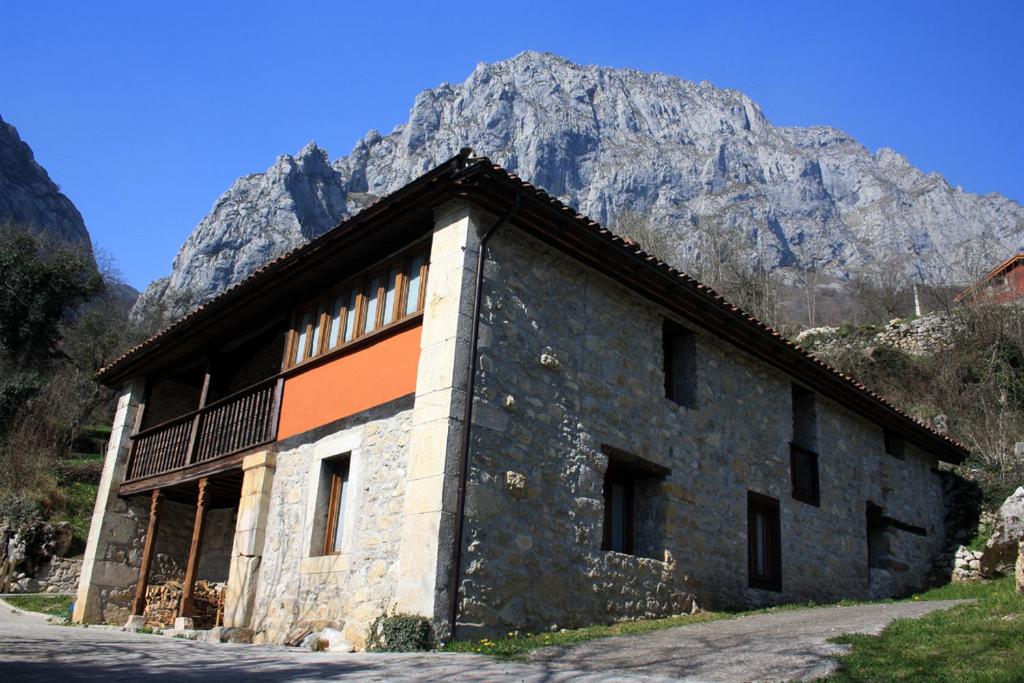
1002	284
634	443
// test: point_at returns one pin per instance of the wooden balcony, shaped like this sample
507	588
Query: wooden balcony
229	426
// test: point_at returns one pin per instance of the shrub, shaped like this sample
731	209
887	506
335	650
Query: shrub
399	633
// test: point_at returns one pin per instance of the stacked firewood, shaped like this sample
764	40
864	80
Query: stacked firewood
162	602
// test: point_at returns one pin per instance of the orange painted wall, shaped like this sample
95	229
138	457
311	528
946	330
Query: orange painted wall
375	374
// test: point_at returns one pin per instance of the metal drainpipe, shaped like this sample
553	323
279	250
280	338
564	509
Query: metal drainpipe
467	420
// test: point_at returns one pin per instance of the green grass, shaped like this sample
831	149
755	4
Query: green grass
77	511
55	605
981	537
978	643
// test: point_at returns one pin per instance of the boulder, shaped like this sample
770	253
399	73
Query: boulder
1003	547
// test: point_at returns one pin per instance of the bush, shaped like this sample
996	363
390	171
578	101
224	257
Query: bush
399	633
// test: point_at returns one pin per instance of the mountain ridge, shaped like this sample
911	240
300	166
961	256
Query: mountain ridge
30	199
689	156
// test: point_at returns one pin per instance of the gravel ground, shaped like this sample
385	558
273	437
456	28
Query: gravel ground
781	646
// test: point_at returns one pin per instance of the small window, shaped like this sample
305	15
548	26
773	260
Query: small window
618	512
680	364
894	445
627	496
302	343
415	278
764	547
805	422
335	471
351	311
804	471
372	297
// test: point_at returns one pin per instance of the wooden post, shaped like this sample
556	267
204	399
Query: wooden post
185	609
197	421
139	603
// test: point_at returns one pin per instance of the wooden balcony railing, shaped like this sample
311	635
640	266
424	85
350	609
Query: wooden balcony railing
234	423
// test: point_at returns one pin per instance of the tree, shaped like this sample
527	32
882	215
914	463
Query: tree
41	283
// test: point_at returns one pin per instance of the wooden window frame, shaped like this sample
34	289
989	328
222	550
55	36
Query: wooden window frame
333	501
322	306
758	503
803	458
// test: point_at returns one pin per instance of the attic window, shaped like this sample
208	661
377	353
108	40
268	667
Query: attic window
680	364
894	445
383	296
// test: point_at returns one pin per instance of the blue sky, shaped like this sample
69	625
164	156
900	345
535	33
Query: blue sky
144	113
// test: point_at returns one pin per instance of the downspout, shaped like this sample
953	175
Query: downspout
467	419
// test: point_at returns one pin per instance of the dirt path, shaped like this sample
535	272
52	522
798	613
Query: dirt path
781	646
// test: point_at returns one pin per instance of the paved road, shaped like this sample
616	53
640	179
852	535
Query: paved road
780	646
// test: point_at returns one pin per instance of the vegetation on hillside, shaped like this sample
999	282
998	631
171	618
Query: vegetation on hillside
61	319
973	389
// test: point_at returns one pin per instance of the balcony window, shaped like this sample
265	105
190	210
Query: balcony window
384	295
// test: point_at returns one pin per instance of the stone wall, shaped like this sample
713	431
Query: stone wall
57	575
297	589
174	538
570	361
967	565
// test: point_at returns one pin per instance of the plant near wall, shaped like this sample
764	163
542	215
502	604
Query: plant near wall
399	633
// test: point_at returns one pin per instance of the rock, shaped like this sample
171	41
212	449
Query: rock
1007	533
326	640
612	143
229	634
29	198
1019	569
335	641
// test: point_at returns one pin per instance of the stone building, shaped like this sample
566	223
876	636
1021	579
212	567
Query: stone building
637	446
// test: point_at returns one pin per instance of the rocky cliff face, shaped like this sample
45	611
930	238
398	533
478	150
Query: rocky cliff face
28	197
613	142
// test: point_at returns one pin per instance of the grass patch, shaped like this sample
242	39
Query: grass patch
76	509
54	605
981	537
980	642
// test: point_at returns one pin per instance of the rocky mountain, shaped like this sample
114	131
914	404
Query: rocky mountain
689	157
30	199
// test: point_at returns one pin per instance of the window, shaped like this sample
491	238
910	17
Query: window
764	551
618	512
680	364
894	445
385	295
627	494
805	422
335	475
804	471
